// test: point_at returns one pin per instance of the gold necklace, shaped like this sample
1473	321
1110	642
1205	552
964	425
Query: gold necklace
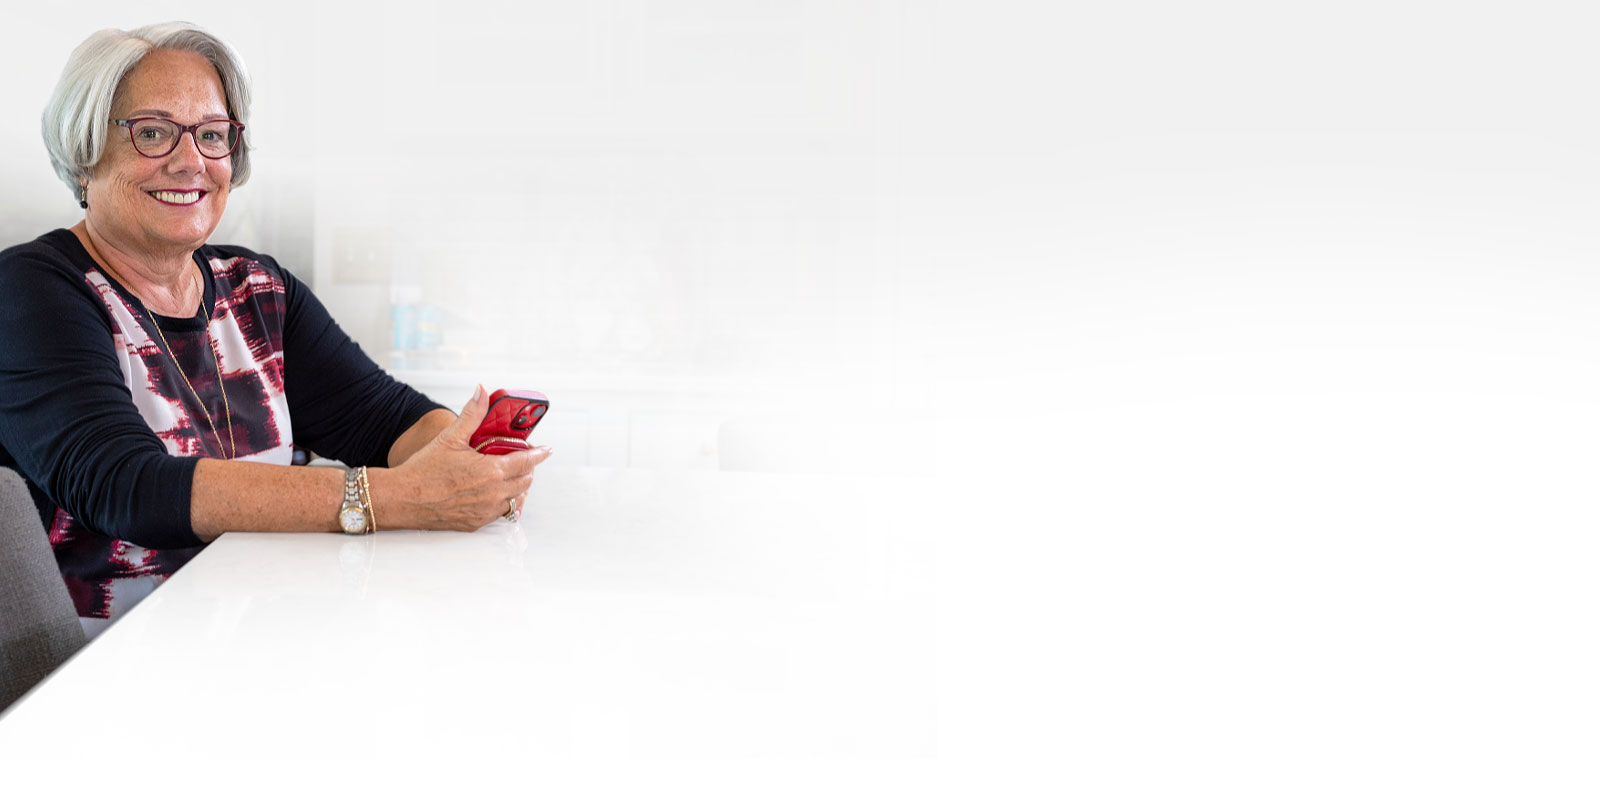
233	449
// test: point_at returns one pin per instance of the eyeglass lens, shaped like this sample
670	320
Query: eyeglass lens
158	137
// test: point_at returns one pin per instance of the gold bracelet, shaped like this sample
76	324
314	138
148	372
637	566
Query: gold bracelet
366	500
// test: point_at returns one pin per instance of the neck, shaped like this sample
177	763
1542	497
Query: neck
168	284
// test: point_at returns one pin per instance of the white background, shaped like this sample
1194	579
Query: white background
1252	344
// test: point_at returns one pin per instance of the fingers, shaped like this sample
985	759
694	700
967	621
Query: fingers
514	508
514	480
522	462
519	505
472	413
519	481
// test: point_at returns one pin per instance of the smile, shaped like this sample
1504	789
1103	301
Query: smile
178	198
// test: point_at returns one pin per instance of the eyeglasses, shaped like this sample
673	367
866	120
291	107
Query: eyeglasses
155	137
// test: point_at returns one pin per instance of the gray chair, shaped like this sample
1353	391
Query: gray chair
39	628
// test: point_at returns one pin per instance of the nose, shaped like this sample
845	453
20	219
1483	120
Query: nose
187	156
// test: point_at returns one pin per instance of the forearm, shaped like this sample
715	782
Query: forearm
247	496
242	495
443	485
420	433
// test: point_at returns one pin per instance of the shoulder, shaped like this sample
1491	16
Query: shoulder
52	264
241	265
58	248
230	254
52	291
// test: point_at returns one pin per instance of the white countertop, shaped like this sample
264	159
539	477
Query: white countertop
629	616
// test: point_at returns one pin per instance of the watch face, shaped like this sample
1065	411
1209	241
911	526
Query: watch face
353	519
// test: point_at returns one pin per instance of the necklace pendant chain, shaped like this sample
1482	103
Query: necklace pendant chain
233	449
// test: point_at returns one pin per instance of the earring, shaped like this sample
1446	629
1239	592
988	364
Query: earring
83	196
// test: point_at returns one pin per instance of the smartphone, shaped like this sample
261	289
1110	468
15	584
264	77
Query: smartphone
512	415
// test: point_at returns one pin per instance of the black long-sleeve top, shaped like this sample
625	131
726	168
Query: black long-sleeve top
105	407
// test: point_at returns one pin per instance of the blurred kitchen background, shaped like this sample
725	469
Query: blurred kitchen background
1063	243
689	224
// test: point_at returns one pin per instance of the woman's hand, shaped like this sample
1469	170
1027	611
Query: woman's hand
446	485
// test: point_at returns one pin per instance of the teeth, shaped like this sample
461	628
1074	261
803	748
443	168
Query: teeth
176	197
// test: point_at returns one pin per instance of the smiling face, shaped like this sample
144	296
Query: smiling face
159	206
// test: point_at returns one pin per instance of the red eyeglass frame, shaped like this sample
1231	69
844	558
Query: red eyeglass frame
238	135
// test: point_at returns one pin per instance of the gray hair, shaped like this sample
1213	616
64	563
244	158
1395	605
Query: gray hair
76	118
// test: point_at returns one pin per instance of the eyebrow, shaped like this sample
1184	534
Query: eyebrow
157	112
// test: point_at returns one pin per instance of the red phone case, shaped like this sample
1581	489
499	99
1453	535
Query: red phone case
512	415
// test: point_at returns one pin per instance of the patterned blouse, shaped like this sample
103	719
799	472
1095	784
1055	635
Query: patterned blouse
106	407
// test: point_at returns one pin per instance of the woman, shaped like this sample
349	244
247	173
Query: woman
153	386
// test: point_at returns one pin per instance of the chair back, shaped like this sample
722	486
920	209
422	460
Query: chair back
39	628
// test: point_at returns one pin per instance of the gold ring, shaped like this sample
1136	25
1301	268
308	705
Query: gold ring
511	513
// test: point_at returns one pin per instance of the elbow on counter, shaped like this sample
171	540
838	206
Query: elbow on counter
142	497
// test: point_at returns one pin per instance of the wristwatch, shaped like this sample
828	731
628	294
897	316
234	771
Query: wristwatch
354	516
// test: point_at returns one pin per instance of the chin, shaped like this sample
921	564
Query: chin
167	241
192	235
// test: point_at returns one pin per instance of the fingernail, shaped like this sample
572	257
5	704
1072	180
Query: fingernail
477	394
